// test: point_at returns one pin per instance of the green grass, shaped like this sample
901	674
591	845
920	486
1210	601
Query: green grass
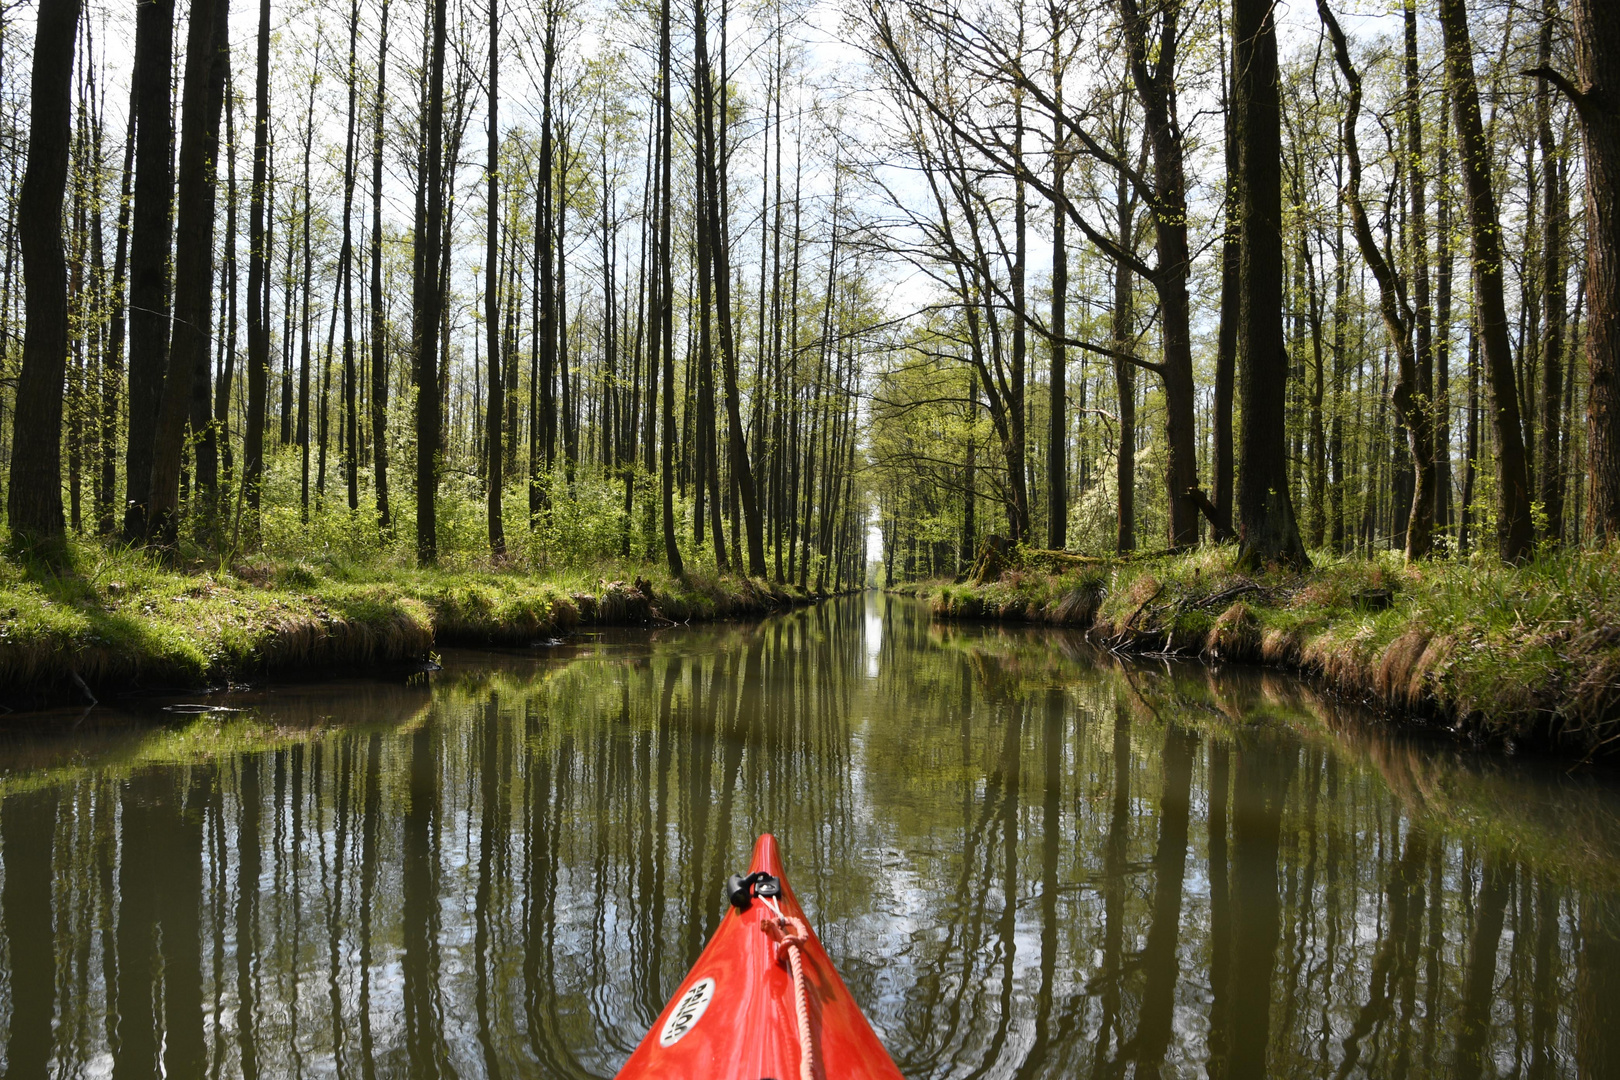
121	618
1528	653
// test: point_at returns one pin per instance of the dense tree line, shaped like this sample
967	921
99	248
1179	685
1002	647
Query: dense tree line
1336	291
723	288
624	328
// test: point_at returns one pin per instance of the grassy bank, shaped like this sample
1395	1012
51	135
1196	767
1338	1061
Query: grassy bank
1520	656
116	620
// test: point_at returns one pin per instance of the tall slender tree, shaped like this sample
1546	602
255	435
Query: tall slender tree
1400	320
149	251
379	344
1124	371
112	364
1231	297
306	280
1596	96
428	303
1016	448
258	308
1420	422
1057	432
203	96
351	410
1267	530
707	490
1153	63
1553	312
34	500
544	453
1443	516
213	418
664	284
719	245
1514	533
492	289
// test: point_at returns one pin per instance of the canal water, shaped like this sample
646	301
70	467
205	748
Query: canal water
1027	858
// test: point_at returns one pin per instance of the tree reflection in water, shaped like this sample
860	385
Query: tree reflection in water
1027	859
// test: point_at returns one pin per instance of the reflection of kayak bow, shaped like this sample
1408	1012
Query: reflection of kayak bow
761	995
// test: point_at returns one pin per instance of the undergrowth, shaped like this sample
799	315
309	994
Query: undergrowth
96	618
1528	653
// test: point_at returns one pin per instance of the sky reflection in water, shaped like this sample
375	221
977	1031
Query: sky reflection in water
1027	860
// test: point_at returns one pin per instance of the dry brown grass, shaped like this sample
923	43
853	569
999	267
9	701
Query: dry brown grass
1235	637
1078	607
1398	678
1505	654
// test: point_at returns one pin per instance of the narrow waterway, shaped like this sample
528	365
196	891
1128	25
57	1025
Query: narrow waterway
1027	859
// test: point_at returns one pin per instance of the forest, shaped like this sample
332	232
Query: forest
776	292
388	388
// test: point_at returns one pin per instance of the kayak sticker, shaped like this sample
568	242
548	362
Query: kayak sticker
688	1011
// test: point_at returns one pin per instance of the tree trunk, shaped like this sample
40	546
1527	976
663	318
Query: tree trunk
1318	395
214	417
707	451
567	403
814	423
1057	435
1406	335
258	380
1569	467
1017	446
113	343
784	402
289	307
428	303
1514	533
492	290
1156	86
1443	516
322	416
1124	371
1420	523
34	506
1341	316
1471	450
546	329
351	426
379	350
664	283
202	99
541	304
1267	531
149	252
509	347
737	458
1226	332
1526	342
306	324
1597	64
1552	292
82	167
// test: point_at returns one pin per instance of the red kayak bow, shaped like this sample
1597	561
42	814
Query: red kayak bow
762	1000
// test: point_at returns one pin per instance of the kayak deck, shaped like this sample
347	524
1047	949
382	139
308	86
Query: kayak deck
734	1017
